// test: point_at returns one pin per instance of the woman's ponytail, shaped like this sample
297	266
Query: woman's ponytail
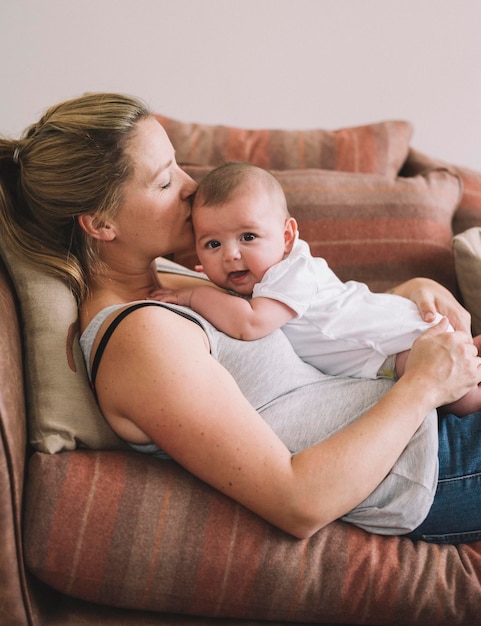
71	162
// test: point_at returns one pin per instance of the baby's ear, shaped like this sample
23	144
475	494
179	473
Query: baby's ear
290	232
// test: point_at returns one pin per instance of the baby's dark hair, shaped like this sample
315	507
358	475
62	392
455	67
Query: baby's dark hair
224	181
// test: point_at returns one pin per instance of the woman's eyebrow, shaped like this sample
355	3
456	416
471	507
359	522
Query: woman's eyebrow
160	169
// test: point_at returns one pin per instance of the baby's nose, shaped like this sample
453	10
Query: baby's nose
231	253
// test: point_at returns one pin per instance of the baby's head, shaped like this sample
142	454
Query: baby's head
224	182
242	225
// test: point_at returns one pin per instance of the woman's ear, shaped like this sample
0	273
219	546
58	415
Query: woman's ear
290	232
96	227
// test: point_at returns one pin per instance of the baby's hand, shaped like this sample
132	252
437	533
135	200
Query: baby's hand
172	296
155	274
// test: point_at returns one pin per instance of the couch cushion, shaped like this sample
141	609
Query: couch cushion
375	148
467	255
370	228
122	529
468	214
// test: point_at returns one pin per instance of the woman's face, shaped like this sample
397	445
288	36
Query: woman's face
154	217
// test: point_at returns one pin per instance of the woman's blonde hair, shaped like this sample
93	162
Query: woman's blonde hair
73	161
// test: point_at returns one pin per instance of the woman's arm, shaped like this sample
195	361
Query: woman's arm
175	394
431	298
233	315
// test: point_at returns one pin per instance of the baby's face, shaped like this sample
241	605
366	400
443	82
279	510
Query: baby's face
238	241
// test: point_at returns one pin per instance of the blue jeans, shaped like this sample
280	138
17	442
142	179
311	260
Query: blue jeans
455	516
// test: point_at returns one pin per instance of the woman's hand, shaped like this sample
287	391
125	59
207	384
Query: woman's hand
431	298
447	361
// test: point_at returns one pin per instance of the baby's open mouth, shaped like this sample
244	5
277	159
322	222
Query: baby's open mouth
237	276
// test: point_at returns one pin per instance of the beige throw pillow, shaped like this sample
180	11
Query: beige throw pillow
467	258
61	409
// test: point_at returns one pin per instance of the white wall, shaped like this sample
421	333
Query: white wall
256	63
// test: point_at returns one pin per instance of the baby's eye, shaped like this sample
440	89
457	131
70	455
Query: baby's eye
248	237
212	244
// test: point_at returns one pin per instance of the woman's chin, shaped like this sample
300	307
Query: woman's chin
184	244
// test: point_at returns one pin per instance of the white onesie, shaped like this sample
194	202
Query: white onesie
340	328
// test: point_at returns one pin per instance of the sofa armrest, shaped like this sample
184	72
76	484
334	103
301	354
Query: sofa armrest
13	445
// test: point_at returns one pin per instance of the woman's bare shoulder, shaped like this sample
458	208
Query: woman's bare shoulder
138	365
150	329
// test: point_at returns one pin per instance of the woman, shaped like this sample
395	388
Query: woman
93	193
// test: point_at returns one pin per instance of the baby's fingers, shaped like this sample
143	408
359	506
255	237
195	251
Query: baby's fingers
172	296
163	295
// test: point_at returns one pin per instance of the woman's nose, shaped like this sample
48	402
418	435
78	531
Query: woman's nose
189	187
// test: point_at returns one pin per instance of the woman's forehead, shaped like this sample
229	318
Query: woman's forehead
150	147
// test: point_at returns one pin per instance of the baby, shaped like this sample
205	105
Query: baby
248	245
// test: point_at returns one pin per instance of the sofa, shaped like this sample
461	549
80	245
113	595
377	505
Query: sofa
93	533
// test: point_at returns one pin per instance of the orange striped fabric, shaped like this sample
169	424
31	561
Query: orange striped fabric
468	214
126	530
373	148
371	228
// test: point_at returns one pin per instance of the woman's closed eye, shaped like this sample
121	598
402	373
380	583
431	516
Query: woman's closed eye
165	184
162	183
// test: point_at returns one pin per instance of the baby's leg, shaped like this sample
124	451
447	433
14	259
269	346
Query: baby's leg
401	359
471	402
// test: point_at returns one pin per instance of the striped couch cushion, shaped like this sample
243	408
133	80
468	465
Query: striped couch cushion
373	148
371	228
125	530
468	214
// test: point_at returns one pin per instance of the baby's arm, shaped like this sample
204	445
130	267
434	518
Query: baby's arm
431	298
233	315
